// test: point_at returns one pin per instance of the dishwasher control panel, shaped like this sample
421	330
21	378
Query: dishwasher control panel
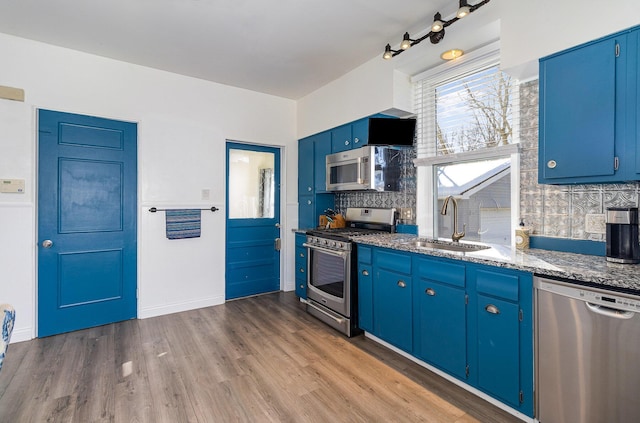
600	297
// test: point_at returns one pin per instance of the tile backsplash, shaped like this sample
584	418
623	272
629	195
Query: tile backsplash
550	210
560	210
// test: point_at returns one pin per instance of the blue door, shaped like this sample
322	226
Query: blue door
252	220
87	187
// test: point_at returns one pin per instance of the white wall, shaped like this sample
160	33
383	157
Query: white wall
182	127
534	29
527	31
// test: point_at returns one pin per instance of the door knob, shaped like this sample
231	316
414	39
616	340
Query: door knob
47	243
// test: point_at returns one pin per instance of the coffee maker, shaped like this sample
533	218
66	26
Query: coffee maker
623	243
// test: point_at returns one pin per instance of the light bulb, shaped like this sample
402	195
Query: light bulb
387	53
406	41
463	11
437	24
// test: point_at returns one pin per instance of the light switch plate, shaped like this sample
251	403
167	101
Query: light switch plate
15	186
595	224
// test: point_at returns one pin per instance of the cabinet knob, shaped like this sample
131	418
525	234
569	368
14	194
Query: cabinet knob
309	202
301	270
356	140
301	286
309	189
301	254
430	292
346	142
402	284
551	164
365	273
490	308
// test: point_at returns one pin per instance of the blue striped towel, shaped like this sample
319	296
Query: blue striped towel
183	224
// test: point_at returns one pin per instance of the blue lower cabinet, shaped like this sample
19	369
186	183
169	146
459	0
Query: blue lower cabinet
502	316
365	297
440	324
498	349
301	266
472	321
392	304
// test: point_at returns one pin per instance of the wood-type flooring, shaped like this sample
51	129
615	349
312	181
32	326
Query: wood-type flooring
258	359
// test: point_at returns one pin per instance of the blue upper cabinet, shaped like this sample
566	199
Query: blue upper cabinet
322	147
360	133
341	139
588	112
312	196
305	166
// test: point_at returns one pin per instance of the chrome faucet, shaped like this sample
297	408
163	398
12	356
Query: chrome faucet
456	236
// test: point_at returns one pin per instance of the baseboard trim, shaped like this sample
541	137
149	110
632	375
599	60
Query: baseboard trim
145	313
453	380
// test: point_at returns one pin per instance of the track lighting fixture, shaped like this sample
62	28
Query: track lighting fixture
436	32
406	41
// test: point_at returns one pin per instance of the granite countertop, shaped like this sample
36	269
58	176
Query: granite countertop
594	270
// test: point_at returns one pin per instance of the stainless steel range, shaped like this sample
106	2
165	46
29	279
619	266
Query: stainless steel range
332	289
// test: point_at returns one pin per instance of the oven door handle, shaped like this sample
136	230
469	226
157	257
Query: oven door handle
338	320
342	254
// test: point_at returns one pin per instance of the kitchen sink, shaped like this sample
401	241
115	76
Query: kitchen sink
447	245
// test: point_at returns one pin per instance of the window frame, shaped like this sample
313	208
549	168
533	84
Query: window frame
427	160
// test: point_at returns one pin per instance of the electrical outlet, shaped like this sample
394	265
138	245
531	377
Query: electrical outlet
595	224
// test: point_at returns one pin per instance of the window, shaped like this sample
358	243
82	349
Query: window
467	128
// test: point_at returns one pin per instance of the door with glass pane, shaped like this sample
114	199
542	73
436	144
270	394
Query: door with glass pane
252	220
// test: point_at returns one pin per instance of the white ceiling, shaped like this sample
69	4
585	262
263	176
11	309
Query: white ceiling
287	48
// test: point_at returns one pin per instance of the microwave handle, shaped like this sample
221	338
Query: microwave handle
361	165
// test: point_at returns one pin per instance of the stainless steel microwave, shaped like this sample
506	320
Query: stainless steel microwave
366	168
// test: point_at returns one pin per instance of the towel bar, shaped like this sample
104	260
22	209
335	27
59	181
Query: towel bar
155	209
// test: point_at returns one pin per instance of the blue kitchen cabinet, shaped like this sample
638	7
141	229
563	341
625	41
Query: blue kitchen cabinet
360	133
313	198
472	321
352	135
589	112
341	139
365	289
440	315
310	207
322	147
501	338
301	266
392	298
306	166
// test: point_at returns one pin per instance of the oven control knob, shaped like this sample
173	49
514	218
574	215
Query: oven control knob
325	242
339	244
333	243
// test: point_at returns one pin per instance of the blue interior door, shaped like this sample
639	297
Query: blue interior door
87	194
252	220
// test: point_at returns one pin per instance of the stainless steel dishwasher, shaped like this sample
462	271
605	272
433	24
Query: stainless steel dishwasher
587	354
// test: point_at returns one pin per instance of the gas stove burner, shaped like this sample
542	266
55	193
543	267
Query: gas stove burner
344	233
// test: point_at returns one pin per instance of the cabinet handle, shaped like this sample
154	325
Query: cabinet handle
365	273
402	284
490	308
551	164
430	291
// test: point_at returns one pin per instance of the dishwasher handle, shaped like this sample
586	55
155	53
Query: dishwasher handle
609	312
